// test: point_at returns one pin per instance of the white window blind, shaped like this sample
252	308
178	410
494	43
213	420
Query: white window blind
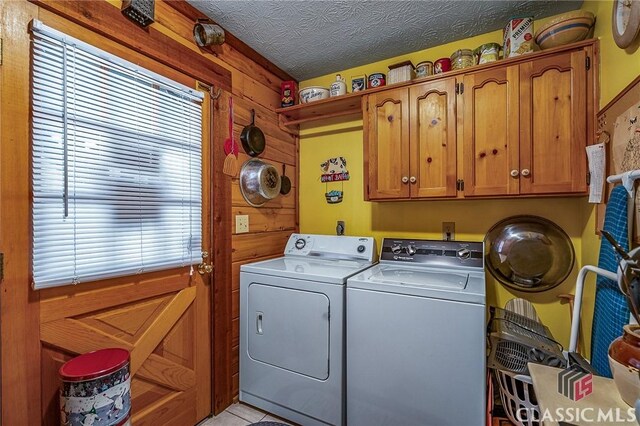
116	165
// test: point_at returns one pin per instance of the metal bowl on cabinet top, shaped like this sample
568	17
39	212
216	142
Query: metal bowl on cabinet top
528	253
259	182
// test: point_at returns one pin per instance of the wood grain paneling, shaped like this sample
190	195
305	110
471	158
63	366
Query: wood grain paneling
251	246
264	219
105	19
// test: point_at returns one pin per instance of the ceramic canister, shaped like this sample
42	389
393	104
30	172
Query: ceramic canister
442	65
624	360
96	389
424	69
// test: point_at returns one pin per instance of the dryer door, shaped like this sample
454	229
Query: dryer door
289	329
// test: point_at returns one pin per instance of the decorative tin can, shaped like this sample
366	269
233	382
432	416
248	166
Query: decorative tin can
358	83
442	65
488	52
96	389
518	37
288	90
424	69
377	79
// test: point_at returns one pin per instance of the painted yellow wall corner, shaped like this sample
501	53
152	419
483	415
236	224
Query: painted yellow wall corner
473	217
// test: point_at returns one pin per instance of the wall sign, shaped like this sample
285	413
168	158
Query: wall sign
334	170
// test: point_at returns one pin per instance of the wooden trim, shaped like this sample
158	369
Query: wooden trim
194	14
20	315
105	19
221	256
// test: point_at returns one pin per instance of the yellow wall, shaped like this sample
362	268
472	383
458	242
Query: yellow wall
424	218
618	67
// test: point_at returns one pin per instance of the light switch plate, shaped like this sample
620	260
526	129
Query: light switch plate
242	223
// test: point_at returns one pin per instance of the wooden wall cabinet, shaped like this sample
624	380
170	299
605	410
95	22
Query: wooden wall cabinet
411	142
517	128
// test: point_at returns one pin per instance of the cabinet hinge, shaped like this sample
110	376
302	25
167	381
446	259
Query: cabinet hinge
460	184
1	50
461	88
587	62
588	178
457	88
1	266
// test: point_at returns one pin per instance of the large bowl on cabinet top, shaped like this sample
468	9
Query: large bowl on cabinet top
528	253
563	29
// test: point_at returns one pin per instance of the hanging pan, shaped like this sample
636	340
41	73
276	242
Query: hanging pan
252	138
285	184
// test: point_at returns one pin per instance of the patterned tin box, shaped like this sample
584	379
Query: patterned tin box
96	389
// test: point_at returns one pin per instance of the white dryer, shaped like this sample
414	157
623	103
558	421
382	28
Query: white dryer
292	327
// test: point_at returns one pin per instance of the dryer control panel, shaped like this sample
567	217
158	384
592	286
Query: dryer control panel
361	249
434	252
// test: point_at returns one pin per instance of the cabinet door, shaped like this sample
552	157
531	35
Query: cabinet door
490	135
433	139
553	120
386	142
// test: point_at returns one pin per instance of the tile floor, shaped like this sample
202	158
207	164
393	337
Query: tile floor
240	414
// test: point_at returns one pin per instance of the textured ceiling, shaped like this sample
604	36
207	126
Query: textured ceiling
312	38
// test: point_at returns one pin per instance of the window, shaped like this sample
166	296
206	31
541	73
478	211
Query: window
116	165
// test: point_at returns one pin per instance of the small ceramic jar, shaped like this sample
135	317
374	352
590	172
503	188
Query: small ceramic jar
338	87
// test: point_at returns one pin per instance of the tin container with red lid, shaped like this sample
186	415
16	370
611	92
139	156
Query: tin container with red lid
442	65
96	389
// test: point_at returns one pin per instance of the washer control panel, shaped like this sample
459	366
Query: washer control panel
434	252
332	247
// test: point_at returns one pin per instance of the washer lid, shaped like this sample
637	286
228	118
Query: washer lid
420	278
455	284
329	271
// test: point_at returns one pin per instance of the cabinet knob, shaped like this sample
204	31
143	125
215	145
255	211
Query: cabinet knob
526	172
514	173
405	179
413	179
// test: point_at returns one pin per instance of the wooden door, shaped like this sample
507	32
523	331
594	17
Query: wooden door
386	145
490	135
163	318
433	139
553	120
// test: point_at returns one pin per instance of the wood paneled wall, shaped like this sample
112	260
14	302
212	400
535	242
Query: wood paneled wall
254	84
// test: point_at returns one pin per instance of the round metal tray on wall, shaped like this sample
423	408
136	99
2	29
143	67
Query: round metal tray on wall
528	253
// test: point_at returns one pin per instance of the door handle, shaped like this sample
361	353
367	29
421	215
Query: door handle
405	179
203	267
525	172
259	322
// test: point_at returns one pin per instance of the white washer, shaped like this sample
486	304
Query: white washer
292	327
416	336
